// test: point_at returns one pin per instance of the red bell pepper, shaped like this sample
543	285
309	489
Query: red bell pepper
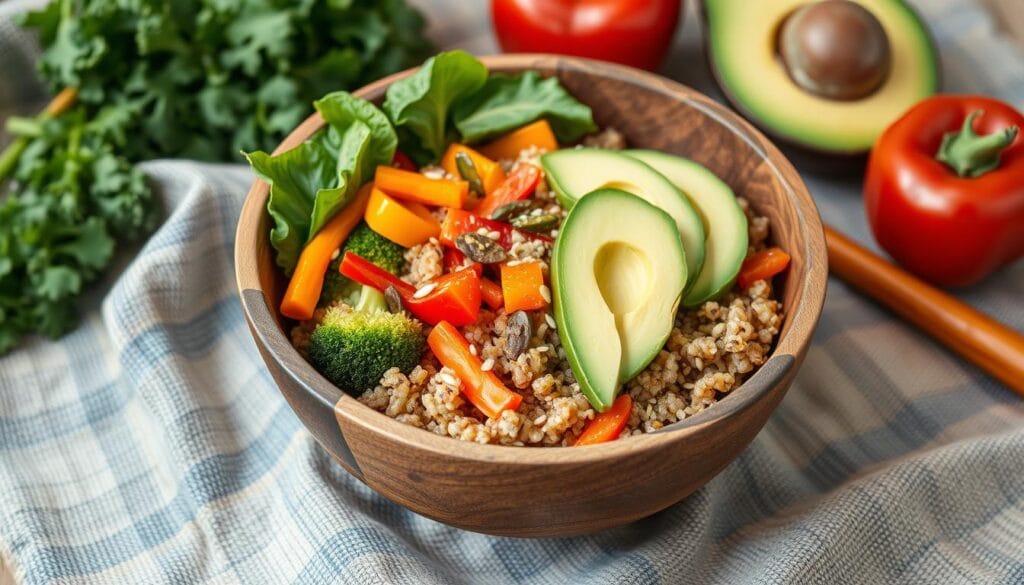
762	266
944	189
483	389
402	161
453	260
519	185
459	222
492	293
608	425
455	297
632	32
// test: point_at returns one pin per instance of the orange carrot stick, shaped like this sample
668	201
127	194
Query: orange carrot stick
419	188
608	425
483	389
303	292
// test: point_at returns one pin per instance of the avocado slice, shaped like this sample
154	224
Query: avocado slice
573	173
725	224
742	47
617	276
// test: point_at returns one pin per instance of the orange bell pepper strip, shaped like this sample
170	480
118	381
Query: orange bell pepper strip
491	173
509	146
608	425
491	292
483	389
412	186
405	224
762	266
518	186
307	280
521	286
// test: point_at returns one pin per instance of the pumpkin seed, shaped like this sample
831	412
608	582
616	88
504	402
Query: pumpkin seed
535	223
393	299
511	209
468	172
480	248
517	334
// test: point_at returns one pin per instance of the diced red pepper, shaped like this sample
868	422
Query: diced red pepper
454	259
454	297
492	293
519	185
762	266
459	222
402	161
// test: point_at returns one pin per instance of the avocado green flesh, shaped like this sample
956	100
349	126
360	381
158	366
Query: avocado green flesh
742	51
617	277
573	173
726	236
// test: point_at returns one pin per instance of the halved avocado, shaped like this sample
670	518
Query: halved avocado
725	225
743	51
617	276
573	173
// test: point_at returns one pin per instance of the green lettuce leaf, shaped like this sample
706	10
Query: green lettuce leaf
420	105
312	182
507	102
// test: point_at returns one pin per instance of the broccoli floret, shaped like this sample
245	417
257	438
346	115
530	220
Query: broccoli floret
353	349
370	245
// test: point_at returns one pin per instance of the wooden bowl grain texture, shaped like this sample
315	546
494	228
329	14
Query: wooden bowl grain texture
562	491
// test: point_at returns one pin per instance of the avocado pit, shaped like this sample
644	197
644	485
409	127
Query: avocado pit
836	49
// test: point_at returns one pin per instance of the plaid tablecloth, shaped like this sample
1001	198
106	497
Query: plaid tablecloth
152	446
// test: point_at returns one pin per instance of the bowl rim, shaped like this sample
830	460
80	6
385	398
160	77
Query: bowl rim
802	318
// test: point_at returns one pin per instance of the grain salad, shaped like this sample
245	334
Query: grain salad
711	350
485	263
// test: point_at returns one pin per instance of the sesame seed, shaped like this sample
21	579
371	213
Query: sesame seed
550	320
540	420
449	379
472	348
335	254
545	293
488	365
513	263
424	290
543	348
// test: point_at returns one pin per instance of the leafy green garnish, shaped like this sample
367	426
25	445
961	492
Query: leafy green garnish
507	102
203	79
74	199
311	183
420	105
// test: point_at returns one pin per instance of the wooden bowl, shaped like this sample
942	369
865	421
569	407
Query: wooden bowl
562	491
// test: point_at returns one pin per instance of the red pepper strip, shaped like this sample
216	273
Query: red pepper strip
492	294
459	222
762	266
518	186
481	388
608	425
454	260
402	161
455	297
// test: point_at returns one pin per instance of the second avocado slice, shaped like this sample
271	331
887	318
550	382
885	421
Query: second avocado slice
617	276
575	172
725	224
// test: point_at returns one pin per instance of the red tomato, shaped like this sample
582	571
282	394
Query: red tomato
632	32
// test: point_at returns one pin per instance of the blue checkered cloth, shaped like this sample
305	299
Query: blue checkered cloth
151	445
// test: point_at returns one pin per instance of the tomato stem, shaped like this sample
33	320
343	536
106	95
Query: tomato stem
972	155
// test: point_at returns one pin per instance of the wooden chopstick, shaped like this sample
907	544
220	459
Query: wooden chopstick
983	341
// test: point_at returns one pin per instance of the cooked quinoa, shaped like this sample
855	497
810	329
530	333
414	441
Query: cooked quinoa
711	350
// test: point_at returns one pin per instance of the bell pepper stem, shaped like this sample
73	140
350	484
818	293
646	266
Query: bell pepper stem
971	155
